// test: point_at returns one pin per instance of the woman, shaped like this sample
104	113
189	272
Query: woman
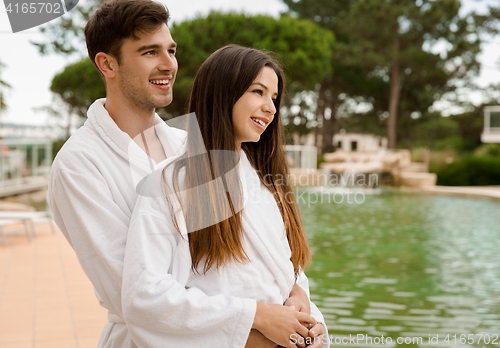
229	228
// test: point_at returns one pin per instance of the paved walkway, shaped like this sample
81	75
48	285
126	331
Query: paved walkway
46	301
492	192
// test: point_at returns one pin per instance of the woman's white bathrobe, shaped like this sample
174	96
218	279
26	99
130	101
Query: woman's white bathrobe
165	304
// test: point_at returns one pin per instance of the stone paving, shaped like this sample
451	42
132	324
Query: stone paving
492	192
45	298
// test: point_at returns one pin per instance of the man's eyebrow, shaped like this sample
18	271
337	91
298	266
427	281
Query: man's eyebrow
155	46
263	86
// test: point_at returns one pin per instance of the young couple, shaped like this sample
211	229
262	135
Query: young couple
216	258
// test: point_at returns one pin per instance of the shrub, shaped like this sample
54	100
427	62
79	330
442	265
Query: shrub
441	159
470	171
56	146
486	150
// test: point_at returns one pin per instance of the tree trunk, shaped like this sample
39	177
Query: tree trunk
320	115
395	94
330	126
319	120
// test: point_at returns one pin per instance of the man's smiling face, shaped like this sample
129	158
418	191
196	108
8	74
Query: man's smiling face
147	69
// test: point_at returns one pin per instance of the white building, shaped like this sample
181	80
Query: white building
352	142
491	130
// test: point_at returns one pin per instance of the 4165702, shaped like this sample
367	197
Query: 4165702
471	339
39	7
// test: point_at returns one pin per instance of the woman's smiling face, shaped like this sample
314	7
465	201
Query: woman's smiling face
255	109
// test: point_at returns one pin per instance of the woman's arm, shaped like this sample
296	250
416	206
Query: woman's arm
258	340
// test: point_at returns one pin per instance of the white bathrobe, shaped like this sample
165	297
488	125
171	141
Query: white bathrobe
161	292
92	194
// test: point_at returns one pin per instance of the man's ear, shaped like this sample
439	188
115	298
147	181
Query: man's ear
106	64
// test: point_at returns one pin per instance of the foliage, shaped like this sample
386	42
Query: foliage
79	85
3	85
432	132
303	48
488	150
56	146
470	126
395	42
439	159
320	160
471	171
64	35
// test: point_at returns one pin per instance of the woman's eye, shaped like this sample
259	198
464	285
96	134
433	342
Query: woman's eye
258	91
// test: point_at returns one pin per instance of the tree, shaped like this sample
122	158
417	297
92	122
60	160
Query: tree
345	79
303	48
395	41
3	85
78	86
65	35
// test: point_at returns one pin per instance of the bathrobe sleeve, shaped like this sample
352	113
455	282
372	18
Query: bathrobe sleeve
303	282
159	310
95	226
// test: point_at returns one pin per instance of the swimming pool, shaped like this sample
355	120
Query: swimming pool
407	266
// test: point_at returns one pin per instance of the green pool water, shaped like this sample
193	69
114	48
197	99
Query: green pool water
406	266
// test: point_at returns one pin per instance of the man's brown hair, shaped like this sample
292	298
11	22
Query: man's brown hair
116	20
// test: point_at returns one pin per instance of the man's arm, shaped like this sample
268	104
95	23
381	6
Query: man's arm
303	283
299	299
96	228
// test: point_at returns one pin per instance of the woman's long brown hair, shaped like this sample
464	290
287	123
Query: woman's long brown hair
220	81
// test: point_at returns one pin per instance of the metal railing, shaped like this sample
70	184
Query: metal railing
21	158
302	156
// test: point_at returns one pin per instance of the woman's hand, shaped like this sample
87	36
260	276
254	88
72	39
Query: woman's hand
298	298
282	324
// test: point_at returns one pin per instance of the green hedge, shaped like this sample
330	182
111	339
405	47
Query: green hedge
470	171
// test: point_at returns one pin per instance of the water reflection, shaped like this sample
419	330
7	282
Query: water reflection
403	265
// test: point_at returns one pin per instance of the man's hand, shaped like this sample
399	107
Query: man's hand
317	332
298	299
258	340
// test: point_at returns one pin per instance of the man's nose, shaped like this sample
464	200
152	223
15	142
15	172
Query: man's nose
168	62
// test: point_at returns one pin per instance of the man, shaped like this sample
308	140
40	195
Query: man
91	189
